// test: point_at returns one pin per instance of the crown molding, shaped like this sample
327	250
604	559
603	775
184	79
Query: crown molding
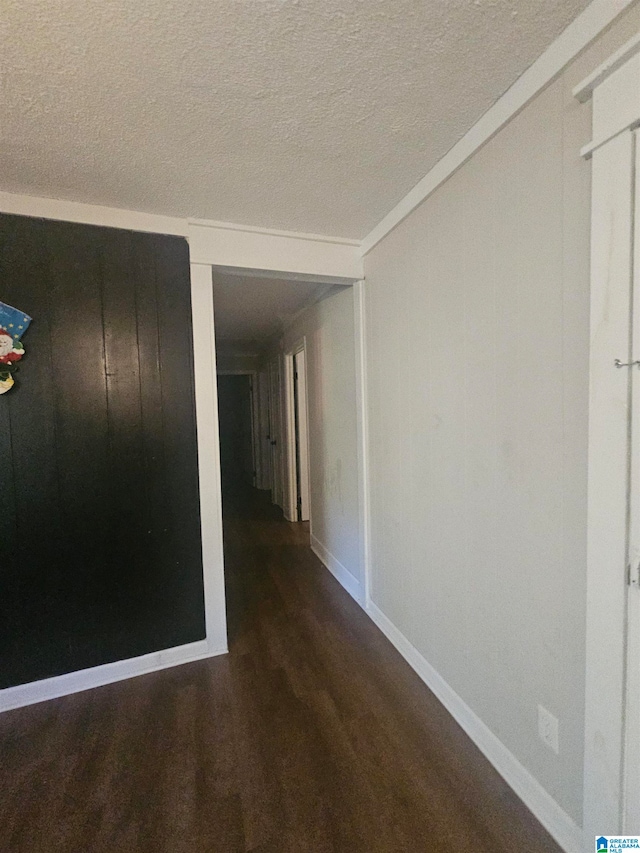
252	229
91	214
584	90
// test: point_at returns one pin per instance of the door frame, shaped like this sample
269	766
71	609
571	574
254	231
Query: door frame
204	261
206	400
362	430
290	491
303	442
291	462
608	759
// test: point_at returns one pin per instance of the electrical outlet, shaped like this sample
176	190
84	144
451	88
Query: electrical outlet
548	729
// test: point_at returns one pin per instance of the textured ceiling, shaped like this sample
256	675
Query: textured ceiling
250	311
307	115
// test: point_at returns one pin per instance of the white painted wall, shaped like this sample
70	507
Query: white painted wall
328	328
478	348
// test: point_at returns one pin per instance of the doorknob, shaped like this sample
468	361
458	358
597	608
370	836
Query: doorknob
619	363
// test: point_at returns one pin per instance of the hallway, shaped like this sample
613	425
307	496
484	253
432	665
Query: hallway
311	735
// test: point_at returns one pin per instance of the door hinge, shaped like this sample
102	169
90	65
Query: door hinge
633	575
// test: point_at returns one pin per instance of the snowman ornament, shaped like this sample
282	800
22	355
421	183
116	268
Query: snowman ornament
11	351
13	324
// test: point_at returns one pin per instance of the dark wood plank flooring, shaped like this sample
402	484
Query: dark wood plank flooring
313	734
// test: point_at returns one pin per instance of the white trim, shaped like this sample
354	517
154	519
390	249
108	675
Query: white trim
584	90
583	30
206	388
314	278
275	254
554	819
252	229
303	474
616	97
631	734
586	152
362	434
91	214
340	572
97	676
136	220
289	437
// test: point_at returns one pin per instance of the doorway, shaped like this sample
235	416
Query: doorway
235	411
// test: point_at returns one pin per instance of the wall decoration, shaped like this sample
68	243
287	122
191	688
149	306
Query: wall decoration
13	325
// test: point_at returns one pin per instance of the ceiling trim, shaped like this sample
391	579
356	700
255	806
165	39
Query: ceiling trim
584	90
91	214
580	33
239	248
276	253
251	272
251	229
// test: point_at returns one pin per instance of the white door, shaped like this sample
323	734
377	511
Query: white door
302	434
612	708
631	785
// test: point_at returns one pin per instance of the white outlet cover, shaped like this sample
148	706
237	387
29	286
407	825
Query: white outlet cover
548	729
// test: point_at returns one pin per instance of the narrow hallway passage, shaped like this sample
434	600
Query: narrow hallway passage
311	735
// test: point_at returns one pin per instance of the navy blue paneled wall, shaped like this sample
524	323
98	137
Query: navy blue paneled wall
100	546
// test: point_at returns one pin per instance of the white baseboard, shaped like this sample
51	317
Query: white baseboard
340	573
86	679
554	819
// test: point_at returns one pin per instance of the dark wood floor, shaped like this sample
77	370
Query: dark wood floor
311	735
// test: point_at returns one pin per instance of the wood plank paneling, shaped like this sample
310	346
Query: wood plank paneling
183	572
99	511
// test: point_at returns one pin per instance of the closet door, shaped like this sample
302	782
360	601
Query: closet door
611	381
631	778
612	688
